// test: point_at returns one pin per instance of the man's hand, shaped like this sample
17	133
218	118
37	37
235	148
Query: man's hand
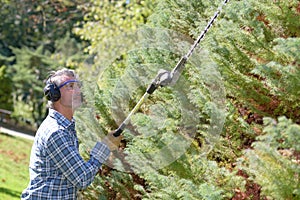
111	141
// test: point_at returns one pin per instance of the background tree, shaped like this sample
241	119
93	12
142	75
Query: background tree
36	23
5	88
6	101
36	38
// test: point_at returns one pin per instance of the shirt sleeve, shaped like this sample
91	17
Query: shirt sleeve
68	160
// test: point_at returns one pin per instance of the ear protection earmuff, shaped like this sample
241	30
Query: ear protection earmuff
51	91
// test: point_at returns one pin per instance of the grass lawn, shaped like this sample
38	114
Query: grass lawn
14	160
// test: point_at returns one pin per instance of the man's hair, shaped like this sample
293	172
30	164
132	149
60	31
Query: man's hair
55	77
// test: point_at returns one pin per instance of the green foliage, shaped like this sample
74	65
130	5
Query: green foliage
69	52
28	73
35	38
6	101
256	52
175	146
106	25
160	120
251	52
273	162
191	177
33	23
187	17
107	19
121	182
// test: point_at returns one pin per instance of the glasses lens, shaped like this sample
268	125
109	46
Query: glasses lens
71	85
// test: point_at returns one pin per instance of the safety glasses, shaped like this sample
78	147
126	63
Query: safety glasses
71	85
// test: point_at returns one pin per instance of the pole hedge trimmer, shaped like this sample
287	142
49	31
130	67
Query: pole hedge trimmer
164	77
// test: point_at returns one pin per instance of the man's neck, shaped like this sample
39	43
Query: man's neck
66	112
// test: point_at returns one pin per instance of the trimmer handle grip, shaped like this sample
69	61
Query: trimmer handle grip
119	130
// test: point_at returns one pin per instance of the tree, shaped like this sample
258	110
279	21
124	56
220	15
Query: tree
30	71
28	75
253	45
36	37
5	88
35	23
256	51
274	158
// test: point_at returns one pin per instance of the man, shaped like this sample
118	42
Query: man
57	171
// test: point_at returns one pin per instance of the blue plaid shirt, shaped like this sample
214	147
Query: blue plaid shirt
56	168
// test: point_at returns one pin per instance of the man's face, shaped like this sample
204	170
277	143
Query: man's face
70	93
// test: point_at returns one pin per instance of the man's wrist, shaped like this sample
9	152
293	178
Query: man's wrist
100	152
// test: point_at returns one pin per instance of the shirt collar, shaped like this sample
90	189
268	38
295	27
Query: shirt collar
62	120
